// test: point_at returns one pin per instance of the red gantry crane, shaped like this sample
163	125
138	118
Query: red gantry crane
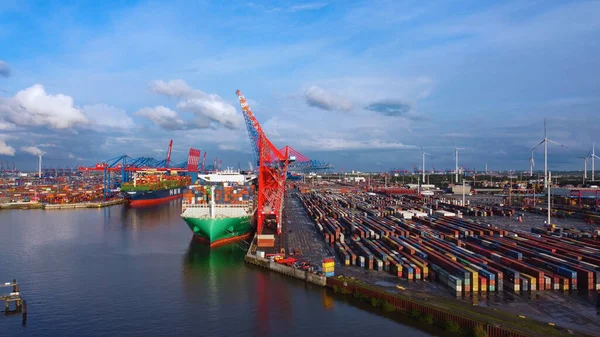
272	171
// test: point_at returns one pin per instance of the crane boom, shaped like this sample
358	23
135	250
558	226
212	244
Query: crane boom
272	171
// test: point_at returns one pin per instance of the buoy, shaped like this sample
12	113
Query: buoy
551	324
521	316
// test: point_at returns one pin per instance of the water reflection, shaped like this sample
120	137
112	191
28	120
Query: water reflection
138	218
326	300
213	276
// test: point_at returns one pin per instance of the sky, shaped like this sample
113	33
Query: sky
360	84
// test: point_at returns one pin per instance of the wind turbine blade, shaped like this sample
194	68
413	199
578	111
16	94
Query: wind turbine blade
553	142
535	147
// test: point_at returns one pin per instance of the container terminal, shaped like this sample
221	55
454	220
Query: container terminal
487	239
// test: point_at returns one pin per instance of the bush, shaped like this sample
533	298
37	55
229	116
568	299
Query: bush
451	326
427	318
415	313
374	302
479	331
387	306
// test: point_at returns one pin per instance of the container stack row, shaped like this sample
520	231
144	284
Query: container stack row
387	234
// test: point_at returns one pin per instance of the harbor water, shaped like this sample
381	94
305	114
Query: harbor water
119	271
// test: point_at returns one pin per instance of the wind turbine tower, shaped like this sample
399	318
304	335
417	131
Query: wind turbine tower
456	156
545	141
40	165
531	164
585	160
594	156
423	153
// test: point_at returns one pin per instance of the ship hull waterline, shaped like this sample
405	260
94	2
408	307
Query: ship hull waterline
220	231
152	198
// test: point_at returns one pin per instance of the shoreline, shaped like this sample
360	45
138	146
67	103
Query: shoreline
35	205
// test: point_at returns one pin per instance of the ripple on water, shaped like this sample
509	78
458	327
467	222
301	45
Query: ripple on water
124	272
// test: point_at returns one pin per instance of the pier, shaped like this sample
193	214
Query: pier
13	296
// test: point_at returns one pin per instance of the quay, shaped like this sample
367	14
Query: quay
35	205
252	258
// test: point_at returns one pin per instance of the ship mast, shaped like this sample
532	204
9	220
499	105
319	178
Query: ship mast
212	201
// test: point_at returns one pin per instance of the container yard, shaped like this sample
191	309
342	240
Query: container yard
485	254
80	188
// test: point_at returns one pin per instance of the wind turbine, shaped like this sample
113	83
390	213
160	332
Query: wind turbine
40	165
594	156
585	159
531	164
545	141
423	153
456	155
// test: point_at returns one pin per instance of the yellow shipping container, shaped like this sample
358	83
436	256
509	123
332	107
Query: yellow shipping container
451	256
424	269
328	264
474	279
532	281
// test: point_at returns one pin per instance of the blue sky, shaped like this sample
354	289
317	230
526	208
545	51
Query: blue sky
359	83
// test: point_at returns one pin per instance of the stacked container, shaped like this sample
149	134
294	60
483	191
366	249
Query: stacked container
328	266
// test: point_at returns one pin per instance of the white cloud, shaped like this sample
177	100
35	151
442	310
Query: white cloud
365	90
215	109
34	107
335	144
6	149
203	105
307	7
173	88
229	147
106	115
4	69
163	117
292	9
32	149
71	156
6	126
320	98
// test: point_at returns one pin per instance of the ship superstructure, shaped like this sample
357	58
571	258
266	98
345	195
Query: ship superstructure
220	206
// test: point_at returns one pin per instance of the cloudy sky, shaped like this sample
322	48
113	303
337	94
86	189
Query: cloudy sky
362	84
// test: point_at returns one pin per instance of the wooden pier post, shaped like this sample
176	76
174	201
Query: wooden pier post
24	313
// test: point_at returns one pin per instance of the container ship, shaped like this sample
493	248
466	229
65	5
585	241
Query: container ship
219	208
153	187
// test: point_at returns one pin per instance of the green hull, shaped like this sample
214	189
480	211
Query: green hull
222	230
